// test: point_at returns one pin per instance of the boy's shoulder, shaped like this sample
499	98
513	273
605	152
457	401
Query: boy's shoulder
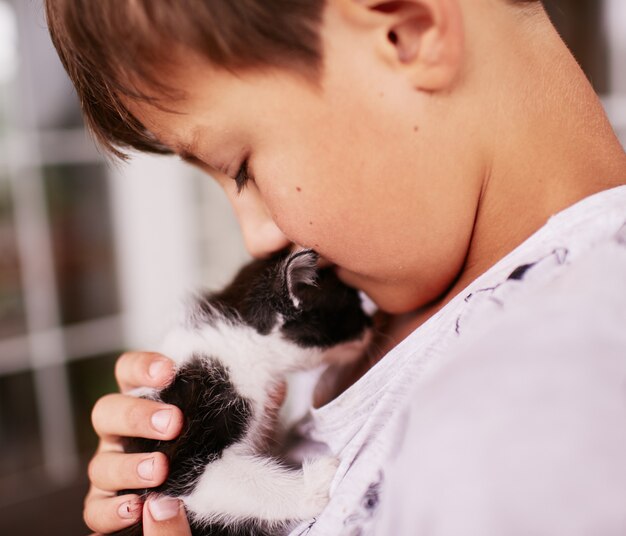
572	265
529	413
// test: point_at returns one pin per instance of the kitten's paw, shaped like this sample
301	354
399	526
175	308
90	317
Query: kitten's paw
318	475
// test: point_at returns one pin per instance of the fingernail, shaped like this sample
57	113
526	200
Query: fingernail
163	508
161	419
146	468
128	510
155	368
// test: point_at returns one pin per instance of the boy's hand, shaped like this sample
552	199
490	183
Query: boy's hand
165	517
111	470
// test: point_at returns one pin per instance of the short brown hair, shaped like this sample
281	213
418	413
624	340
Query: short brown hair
106	44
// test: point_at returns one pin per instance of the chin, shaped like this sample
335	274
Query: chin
394	299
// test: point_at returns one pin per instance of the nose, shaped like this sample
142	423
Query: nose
262	238
261	235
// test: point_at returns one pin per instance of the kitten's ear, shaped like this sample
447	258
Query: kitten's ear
299	270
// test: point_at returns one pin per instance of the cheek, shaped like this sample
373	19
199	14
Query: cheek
297	218
296	196
328	210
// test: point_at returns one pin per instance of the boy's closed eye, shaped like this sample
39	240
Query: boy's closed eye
241	179
243	175
191	159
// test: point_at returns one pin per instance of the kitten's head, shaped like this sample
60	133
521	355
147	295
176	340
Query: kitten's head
308	305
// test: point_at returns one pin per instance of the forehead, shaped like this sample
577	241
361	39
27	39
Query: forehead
166	106
202	100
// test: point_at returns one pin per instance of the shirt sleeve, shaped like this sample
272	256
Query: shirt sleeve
523	431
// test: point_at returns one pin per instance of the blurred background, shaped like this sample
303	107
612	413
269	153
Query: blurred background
95	256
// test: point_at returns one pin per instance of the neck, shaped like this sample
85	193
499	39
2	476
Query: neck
549	149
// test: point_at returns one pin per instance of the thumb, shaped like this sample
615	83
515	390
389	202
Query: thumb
164	516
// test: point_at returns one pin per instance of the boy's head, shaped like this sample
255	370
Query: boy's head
110	47
366	125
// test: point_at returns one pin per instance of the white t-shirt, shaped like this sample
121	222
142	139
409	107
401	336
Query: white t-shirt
505	412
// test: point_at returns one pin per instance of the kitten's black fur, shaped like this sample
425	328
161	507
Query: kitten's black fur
310	308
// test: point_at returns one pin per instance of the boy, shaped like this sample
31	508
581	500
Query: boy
421	147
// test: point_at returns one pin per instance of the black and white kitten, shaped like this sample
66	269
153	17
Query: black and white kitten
232	350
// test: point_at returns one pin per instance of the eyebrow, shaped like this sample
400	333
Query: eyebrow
195	138
185	153
189	158
185	150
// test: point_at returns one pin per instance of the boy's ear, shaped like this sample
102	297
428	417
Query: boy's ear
422	38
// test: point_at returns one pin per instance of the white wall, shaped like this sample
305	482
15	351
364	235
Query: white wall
174	233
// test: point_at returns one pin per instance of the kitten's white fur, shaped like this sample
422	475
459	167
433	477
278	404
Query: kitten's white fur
246	486
241	484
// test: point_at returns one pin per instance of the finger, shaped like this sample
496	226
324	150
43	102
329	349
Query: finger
164	516
114	471
143	369
123	415
105	513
